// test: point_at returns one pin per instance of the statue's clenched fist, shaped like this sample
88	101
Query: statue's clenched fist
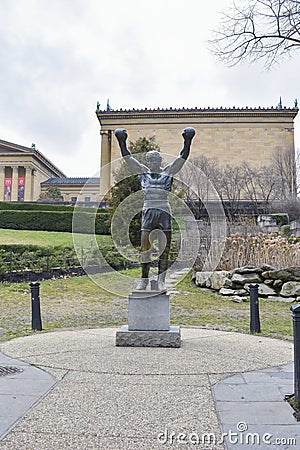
121	135
188	133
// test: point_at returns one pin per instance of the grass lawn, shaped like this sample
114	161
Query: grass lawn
79	303
42	238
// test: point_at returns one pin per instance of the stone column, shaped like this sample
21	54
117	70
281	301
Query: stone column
14	188
105	172
2	175
28	184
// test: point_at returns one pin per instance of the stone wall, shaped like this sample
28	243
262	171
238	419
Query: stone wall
276	285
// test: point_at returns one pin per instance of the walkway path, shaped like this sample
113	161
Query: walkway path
109	397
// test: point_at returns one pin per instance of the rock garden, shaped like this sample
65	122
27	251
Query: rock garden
276	285
271	261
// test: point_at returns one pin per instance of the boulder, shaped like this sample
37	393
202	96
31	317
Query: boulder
228	283
219	279
263	289
225	291
264	267
290	289
246	278
268	281
213	280
282	299
241	292
248	269
201	278
277	283
288	274
239	299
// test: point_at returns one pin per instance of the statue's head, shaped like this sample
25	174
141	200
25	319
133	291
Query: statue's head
154	160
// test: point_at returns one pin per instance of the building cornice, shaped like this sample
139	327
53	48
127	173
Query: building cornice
72	181
196	113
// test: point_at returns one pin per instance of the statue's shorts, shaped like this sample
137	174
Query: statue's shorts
153	219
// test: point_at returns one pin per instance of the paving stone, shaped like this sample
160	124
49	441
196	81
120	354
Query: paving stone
264	413
247	393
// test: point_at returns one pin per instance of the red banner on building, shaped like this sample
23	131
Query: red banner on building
21	187
7	189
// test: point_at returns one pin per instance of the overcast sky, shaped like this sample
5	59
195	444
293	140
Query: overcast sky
59	57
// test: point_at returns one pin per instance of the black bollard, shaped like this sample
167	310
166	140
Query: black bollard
296	326
254	310
36	321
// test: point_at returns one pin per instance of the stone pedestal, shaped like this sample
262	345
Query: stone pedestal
148	322
126	338
148	311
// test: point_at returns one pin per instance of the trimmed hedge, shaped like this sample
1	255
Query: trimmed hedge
21	206
55	221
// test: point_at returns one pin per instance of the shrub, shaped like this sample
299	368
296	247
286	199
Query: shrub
54	221
37	259
281	219
29	257
21	206
286	230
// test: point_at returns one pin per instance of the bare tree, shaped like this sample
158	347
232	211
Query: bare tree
243	187
230	185
283	165
257	29
260	185
200	193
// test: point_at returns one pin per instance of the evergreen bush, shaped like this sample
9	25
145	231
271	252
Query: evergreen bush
54	221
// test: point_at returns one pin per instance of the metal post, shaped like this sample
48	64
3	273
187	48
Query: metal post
254	309
296	326
36	321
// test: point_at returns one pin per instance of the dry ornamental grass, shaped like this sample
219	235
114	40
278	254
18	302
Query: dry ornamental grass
273	249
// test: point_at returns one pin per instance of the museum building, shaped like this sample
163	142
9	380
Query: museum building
229	135
76	189
25	173
22	170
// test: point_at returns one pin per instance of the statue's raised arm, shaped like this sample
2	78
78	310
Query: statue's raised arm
134	165
175	166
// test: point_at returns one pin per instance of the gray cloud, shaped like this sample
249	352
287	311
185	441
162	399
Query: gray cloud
58	58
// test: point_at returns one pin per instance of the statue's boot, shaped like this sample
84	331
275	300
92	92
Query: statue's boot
161	281
142	285
162	271
144	281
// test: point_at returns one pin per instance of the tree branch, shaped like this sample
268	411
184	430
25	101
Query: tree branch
261	29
